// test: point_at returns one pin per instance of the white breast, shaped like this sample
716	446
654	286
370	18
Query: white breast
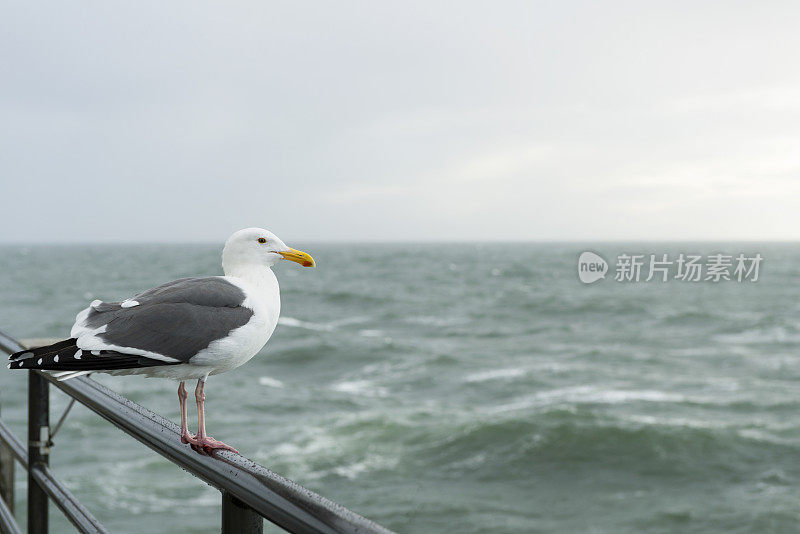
263	297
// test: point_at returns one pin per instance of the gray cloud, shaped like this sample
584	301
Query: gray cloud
414	121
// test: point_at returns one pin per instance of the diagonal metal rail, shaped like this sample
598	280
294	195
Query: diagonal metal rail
79	516
7	522
244	484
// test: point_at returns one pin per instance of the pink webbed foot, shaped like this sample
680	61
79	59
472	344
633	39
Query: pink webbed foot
206	444
191	440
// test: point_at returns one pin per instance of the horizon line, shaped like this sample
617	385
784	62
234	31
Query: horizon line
424	242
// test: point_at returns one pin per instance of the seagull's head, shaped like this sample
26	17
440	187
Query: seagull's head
259	247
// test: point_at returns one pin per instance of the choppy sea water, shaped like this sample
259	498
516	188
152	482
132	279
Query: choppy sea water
457	388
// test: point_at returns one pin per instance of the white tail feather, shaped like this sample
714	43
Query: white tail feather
66	375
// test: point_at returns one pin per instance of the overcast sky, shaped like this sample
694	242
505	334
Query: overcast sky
172	121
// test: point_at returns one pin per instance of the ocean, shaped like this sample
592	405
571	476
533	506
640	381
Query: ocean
457	388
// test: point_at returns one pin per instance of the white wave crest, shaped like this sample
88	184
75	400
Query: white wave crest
297	323
360	387
494	374
270	382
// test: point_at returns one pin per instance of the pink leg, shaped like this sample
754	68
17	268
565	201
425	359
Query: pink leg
201	439
182	396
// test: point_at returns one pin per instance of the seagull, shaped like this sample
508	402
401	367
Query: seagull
187	329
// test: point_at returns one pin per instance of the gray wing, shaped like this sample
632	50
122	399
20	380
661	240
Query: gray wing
176	320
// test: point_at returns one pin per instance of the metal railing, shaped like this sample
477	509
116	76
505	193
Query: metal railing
249	491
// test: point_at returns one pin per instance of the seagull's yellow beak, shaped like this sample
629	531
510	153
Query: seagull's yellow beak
298	256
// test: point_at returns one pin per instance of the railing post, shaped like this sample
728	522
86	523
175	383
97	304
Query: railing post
7	477
238	518
38	449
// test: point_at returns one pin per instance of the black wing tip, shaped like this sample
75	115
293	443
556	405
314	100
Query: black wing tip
21	355
71	358
43	350
26	363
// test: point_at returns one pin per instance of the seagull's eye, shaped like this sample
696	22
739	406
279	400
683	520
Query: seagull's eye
262	240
